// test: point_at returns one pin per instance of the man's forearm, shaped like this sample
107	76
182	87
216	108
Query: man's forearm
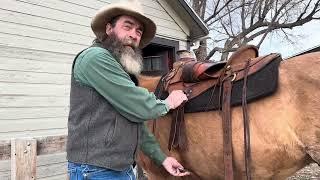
151	147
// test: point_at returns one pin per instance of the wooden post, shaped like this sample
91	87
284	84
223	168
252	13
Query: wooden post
23	159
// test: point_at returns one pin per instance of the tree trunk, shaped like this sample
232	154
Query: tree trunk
201	52
199	7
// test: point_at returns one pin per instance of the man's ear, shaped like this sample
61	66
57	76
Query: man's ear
108	29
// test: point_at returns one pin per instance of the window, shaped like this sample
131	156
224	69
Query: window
152	63
158	56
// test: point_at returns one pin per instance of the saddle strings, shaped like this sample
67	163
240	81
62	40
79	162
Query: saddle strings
246	121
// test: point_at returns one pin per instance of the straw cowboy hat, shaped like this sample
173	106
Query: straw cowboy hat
131	8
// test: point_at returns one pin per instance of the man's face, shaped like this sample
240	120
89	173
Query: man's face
128	30
123	41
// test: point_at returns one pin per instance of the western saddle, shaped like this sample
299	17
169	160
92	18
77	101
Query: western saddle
194	78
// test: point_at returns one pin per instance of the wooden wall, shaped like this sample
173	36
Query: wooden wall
38	41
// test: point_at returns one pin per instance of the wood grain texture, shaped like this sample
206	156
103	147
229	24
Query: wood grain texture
23	159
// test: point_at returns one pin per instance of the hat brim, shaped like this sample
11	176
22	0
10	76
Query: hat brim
104	16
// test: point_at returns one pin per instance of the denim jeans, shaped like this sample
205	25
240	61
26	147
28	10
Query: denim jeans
88	172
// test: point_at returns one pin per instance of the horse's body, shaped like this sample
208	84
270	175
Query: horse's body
284	129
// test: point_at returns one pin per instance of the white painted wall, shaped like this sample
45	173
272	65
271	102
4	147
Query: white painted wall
38	41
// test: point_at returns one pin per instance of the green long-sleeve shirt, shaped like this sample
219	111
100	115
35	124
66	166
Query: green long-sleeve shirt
97	68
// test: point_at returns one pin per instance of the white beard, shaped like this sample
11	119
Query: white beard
132	65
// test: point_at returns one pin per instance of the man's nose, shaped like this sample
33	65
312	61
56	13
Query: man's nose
133	35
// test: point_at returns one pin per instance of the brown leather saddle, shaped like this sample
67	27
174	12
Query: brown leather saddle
218	86
195	77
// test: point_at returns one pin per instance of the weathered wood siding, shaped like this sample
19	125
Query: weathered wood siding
38	41
49	167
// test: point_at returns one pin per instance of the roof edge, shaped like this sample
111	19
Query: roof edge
308	50
195	17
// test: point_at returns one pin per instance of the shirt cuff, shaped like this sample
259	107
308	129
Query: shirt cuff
160	158
167	105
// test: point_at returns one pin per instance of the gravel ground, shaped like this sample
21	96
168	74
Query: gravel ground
311	172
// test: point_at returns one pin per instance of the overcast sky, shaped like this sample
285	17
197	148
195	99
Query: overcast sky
306	37
310	33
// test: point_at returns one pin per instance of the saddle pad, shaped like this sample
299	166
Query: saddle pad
260	84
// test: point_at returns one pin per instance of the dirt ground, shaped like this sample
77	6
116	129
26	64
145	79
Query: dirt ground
311	172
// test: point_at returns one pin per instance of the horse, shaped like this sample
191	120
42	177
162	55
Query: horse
284	130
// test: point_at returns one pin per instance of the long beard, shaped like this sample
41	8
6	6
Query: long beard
129	56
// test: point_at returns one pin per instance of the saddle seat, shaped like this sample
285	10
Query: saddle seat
194	71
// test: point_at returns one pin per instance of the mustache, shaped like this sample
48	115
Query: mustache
129	42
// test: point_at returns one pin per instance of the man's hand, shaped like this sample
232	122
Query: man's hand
174	167
176	98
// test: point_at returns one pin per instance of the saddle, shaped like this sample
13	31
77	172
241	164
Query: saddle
194	77
219	86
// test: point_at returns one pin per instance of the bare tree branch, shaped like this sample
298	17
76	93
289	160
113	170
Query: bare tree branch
266	8
278	11
243	20
226	29
305	10
260	10
215	13
220	50
254	11
230	21
263	38
235	23
220	17
219	32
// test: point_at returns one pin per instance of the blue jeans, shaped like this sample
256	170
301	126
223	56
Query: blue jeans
88	172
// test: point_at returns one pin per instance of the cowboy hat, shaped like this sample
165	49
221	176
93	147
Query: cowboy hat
131	8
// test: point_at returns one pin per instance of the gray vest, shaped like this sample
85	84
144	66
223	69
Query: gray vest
97	134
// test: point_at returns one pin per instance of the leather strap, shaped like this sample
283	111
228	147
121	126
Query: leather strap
227	129
177	137
246	131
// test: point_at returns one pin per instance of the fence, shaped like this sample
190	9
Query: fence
23	153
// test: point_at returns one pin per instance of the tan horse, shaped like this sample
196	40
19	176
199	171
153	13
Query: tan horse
284	128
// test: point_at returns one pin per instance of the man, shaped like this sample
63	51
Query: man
107	109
